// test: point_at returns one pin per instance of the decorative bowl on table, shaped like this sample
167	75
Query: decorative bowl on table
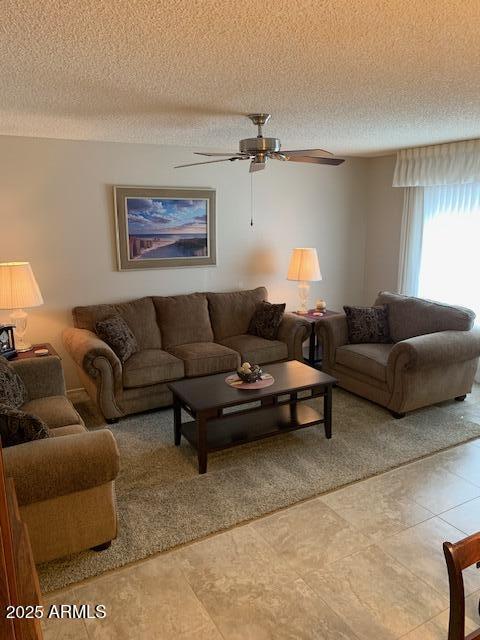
249	372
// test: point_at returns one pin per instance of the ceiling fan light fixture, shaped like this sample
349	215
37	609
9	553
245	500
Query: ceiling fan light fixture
260	149
257	145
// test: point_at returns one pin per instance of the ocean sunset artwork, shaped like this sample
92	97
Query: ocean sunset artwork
163	228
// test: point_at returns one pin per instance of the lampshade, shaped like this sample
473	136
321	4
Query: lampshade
304	265
18	287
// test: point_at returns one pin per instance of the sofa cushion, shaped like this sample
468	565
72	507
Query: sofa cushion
206	358
118	335
138	314
55	411
18	427
183	319
232	312
367	324
69	430
13	392
151	366
410	317
257	350
369	359
266	320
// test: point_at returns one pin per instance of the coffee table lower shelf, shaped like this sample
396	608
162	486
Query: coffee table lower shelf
235	429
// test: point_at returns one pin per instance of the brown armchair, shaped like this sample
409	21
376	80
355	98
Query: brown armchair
433	355
65	483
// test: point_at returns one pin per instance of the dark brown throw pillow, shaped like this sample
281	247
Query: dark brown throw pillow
266	320
367	324
12	390
118	335
17	427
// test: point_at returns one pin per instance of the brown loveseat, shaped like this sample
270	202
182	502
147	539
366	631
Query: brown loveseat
64	484
433	355
178	336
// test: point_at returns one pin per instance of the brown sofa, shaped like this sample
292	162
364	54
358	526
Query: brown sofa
64	484
433	355
178	336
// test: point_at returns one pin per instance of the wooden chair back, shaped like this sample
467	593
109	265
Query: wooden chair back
459	556
18	576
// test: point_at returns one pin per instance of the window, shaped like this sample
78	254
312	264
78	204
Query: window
449	267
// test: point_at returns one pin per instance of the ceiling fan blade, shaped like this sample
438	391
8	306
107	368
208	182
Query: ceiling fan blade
331	161
194	164
256	166
313	153
208	154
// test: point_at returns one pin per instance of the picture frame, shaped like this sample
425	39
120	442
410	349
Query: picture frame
165	227
7	341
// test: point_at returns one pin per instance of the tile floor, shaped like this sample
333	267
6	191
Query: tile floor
363	562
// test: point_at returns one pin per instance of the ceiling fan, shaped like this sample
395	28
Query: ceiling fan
260	149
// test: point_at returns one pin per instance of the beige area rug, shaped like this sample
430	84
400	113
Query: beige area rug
163	502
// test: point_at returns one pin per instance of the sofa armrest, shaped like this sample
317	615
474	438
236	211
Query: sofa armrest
436	349
42	377
332	332
293	330
94	356
57	466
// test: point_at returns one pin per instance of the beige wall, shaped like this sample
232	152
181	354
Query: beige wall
383	225
56	211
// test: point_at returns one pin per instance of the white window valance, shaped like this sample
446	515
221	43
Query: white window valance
440	164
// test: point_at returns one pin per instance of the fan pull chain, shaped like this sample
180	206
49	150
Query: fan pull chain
251	200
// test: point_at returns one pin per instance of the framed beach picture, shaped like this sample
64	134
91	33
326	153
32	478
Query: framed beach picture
164	227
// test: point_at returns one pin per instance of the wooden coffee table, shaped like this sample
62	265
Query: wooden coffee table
281	409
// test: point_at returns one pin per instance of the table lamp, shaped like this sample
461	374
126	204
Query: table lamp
19	289
304	268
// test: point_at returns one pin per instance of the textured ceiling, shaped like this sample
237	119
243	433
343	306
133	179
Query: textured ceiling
357	77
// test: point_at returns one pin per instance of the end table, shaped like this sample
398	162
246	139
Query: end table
314	358
23	355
